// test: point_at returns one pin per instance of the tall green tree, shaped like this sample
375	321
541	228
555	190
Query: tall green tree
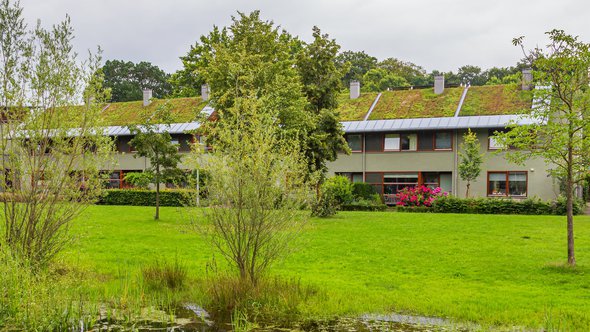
358	63
127	80
155	144
410	72
559	134
321	80
379	79
471	159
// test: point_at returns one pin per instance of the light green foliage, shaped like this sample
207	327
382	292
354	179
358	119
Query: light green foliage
563	116
379	79
471	159
53	151
140	180
256	191
411	73
341	187
127	80
157	147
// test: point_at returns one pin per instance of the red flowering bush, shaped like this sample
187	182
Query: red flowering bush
419	196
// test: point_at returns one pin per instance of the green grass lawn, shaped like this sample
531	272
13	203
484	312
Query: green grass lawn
488	269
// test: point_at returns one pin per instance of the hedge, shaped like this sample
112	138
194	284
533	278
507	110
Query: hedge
363	206
138	197
529	206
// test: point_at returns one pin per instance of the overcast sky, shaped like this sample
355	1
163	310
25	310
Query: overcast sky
436	34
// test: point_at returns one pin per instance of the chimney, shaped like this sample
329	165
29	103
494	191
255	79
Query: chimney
439	84
147	96
205	92
527	78
355	89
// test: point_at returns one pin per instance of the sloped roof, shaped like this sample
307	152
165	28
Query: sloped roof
424	103
462	122
133	112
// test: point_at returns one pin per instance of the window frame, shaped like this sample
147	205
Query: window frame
362	142
507	179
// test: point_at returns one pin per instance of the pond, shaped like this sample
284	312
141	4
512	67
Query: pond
194	318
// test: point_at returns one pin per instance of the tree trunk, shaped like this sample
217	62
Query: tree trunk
467	191
569	195
157	216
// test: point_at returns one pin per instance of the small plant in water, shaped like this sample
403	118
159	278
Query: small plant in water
164	274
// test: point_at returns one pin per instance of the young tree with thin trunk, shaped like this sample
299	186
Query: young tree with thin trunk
471	159
154	143
256	192
53	151
559	134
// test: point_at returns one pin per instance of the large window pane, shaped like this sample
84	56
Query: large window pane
497	184
391	142
409	142
374	178
373	142
357	177
517	183
443	140
425	141
355	142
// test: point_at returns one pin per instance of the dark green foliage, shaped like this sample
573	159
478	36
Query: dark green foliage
358	63
127	80
363	190
529	206
177	197
325	206
364	205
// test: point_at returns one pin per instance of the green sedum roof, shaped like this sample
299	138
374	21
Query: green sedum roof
424	103
355	109
418	103
496	100
133	112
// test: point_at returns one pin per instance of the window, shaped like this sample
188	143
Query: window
409	142
391	142
374	142
376	180
507	184
443	140
493	144
353	177
394	182
355	142
431	180
425	141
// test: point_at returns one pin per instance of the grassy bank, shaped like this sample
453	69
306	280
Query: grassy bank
493	270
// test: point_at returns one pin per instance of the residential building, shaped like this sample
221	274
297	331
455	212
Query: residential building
398	138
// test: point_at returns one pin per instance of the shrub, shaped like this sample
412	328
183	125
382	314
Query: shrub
139	197
325	206
485	205
340	188
419	196
361	190
364	205
140	180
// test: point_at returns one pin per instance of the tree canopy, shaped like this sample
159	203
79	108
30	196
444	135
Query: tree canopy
127	80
